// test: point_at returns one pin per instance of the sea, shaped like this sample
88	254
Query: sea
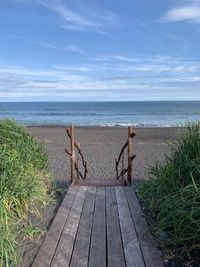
140	114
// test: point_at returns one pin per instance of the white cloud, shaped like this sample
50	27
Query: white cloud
190	13
159	73
70	47
97	59
85	20
128	59
74	20
76	17
67	48
113	79
74	68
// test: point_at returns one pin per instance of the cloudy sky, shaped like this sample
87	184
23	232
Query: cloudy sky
99	50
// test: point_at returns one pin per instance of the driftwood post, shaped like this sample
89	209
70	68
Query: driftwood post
130	158
75	172
122	165
130	132
73	159
77	159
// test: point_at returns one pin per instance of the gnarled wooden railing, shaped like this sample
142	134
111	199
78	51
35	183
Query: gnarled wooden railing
75	147
121	158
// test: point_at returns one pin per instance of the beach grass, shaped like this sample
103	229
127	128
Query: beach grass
24	187
172	197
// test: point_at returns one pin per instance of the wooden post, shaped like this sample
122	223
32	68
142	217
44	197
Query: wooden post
122	165
116	168
77	162
73	158
85	173
129	155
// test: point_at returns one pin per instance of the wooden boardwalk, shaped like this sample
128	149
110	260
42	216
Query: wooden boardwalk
98	226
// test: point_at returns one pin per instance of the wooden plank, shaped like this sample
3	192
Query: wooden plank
115	253
97	256
65	247
46	252
73	157
130	142
86	182
80	254
151	255
133	255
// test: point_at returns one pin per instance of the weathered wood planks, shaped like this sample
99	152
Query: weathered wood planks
132	251
150	254
99	226
65	246
82	244
97	256
115	252
47	250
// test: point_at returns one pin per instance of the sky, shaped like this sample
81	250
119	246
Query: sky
99	50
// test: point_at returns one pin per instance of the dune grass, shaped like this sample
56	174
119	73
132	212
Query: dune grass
24	186
172	197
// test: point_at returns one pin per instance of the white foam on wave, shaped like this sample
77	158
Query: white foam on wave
139	125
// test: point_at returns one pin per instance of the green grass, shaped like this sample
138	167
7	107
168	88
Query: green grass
24	186
172	196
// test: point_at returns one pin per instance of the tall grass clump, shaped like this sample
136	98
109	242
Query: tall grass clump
172	196
24	185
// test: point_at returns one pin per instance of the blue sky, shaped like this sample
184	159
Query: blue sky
99	50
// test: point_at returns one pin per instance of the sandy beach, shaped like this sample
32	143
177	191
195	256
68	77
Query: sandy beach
100	146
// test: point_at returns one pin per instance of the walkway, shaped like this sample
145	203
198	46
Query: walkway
98	226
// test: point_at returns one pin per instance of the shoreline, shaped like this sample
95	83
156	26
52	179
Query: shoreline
97	127
100	126
92	132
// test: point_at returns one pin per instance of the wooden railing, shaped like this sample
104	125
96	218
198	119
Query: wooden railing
130	157
75	154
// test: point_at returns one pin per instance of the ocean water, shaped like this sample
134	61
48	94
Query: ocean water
141	114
